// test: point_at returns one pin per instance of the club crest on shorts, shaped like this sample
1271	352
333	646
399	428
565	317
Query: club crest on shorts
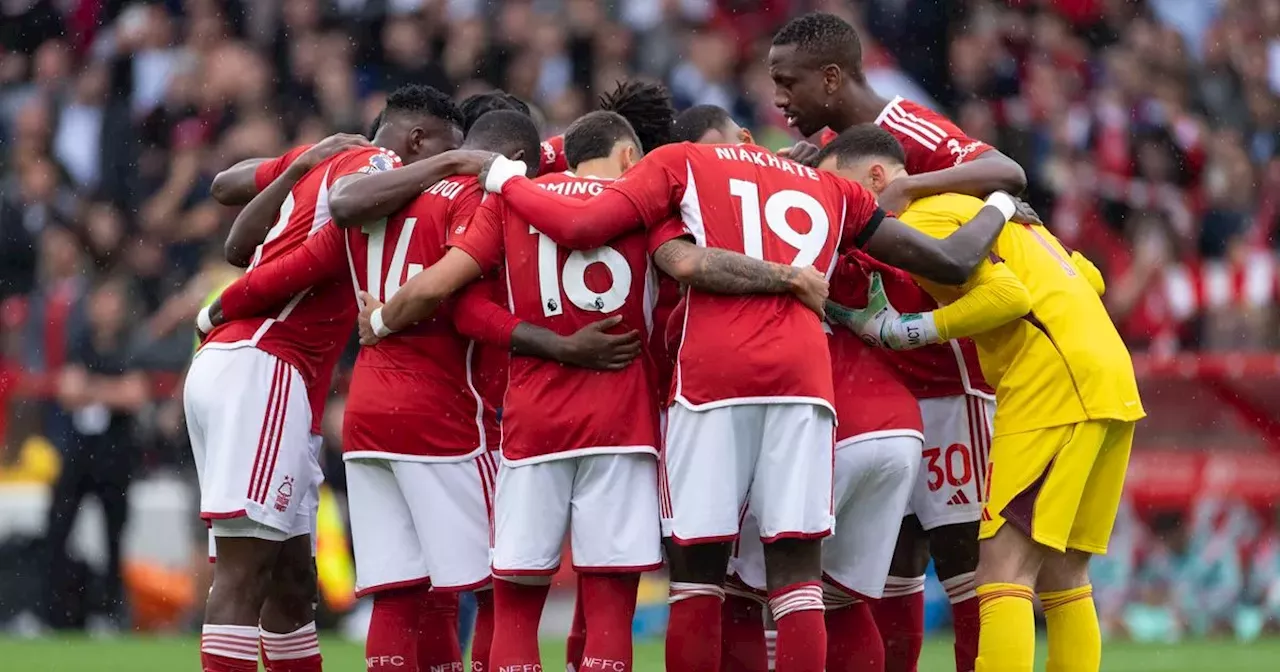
284	493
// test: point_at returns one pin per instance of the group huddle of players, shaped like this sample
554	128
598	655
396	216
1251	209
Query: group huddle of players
671	320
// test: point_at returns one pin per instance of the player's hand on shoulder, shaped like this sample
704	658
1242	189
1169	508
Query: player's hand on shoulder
338	142
469	161
368	304
1024	214
592	347
805	153
811	287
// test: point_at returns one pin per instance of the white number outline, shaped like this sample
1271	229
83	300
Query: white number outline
378	287
809	246
570	282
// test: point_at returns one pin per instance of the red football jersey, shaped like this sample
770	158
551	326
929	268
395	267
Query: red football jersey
871	400
552	160
554	411
746	199
416	393
269	170
481	314
313	327
931	141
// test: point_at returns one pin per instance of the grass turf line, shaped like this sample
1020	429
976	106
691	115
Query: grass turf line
140	654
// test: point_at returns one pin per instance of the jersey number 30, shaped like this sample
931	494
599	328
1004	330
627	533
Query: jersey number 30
572	279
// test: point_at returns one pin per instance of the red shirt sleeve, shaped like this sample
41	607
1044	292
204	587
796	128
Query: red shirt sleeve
276	282
862	215
481	235
551	158
574	223
931	141
366	160
665	232
654	184
479	317
269	170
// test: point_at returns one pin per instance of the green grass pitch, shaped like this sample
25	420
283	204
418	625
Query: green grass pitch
180	655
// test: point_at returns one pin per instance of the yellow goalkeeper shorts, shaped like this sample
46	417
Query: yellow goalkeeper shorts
1060	486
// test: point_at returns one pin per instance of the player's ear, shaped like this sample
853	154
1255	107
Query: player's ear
517	155
744	136
879	177
831	77
629	156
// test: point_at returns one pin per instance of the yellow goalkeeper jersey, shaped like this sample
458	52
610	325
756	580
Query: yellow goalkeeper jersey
1064	361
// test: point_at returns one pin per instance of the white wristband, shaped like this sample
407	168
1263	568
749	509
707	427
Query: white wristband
1004	203
203	321
379	327
500	171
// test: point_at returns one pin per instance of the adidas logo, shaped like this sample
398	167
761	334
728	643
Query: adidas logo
958	498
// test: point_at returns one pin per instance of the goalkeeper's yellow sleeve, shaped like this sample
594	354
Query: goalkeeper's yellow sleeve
995	296
1090	272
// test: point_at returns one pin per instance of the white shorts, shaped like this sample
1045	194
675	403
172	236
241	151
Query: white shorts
607	503
415	523
249	421
777	457
873	479
952	484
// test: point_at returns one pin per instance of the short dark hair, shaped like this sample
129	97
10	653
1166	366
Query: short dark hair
824	38
863	141
694	122
507	132
422	99
377	123
593	136
478	105
647	107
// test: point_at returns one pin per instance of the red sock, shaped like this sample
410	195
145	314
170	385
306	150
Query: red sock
964	616
297	651
229	648
609	605
802	634
853	641
693	627
392	643
576	642
742	645
438	647
517	612
900	617
482	636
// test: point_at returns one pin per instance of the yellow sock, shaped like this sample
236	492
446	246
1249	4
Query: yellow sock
1007	638
1075	642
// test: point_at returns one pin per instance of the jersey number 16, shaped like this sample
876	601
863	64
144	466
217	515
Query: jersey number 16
572	278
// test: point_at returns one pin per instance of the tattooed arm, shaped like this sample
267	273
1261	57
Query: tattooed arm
724	272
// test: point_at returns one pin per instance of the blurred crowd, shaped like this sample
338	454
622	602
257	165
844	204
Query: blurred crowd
1212	570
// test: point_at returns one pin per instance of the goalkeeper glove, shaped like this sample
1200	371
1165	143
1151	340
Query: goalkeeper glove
881	325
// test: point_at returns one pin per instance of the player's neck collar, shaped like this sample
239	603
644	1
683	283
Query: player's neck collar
570	173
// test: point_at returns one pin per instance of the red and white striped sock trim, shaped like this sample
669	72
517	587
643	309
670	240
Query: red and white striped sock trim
239	642
961	587
301	643
679	591
897	586
796	597
833	598
771	648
